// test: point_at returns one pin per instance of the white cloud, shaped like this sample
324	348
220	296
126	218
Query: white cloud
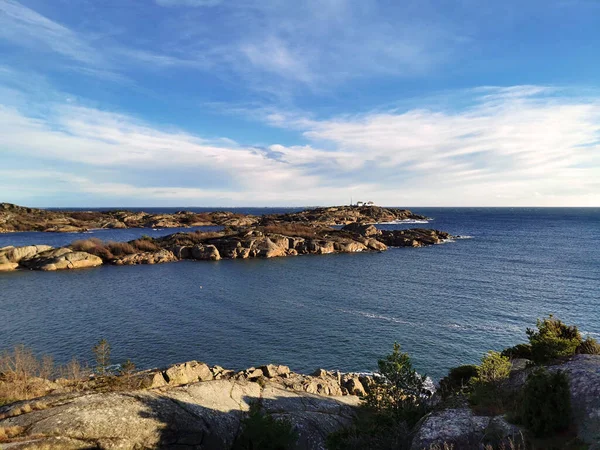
517	146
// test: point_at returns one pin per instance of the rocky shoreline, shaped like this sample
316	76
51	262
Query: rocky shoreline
19	218
271	236
196	406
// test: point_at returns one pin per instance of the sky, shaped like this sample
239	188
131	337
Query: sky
304	102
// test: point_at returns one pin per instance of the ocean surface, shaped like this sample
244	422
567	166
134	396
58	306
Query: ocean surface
446	305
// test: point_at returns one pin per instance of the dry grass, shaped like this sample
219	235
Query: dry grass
24	376
120	248
145	245
106	251
10	432
292	229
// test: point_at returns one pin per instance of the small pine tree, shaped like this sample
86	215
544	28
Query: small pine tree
399	390
102	353
127	368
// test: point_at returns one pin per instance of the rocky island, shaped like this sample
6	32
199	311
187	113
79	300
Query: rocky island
20	218
314	231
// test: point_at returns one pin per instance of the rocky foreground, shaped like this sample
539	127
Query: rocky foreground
19	218
264	241
194	406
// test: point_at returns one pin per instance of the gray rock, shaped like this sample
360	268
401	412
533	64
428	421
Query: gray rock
198	416
459	427
584	383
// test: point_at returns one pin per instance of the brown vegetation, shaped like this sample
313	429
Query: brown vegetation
145	245
23	375
294	229
109	250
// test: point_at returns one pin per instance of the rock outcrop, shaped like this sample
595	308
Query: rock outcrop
240	243
18	218
462	429
60	258
204	415
187	405
343	215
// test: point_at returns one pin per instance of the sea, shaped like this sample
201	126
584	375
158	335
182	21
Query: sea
445	305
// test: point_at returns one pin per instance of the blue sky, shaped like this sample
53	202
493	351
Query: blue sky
305	102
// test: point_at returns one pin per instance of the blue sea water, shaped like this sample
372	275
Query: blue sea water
447	304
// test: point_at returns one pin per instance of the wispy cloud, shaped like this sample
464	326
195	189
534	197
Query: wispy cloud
523	145
24	26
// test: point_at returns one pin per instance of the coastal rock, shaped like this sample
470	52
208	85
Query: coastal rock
584	384
61	258
16	254
272	371
362	229
458	427
158	257
189	372
355	387
7	267
205	253
202	415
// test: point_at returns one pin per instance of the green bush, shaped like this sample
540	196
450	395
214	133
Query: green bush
546	403
553	339
493	368
518	351
261	431
486	392
375	431
589	346
399	389
457	380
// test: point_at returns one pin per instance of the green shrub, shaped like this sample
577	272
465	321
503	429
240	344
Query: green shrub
518	351
261	431
375	431
399	389
553	339
545	403
457	380
493	368
589	346
486	392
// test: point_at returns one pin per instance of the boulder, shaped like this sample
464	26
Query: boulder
189	372
458	427
272	248
152	380
16	254
61	258
205	253
355	387
272	370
